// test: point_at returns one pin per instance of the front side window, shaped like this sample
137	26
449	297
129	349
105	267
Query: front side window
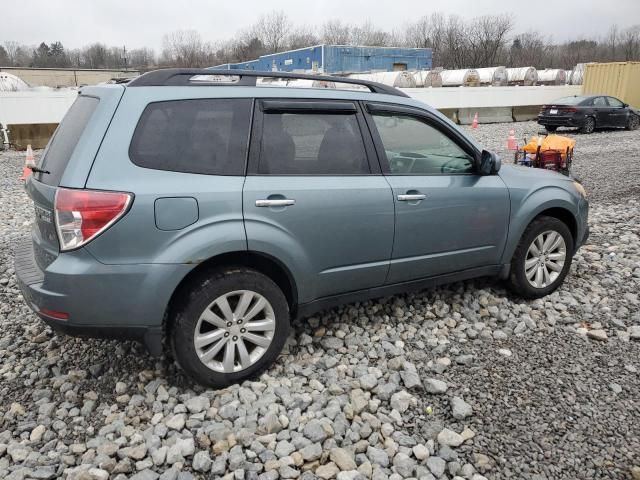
207	136
311	144
412	146
614	102
599	102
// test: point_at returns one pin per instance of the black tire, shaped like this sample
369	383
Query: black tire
517	281
589	125
633	122
198	295
550	128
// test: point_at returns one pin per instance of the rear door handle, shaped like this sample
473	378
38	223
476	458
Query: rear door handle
280	202
411	197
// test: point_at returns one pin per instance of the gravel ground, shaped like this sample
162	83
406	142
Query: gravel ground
463	381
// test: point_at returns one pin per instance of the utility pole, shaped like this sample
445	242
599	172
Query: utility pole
124	56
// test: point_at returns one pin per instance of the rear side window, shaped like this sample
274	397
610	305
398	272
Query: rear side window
66	138
312	144
207	136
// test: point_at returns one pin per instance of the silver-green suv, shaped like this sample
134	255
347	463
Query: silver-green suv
202	210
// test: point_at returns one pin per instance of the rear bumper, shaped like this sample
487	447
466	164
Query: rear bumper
98	300
560	121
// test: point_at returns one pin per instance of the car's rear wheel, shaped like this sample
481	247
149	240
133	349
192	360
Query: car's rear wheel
633	122
231	325
588	126
550	128
542	259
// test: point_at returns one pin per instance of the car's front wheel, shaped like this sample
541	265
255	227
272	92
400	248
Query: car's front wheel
230	326
542	259
633	122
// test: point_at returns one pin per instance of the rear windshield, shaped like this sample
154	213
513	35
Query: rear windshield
569	100
66	138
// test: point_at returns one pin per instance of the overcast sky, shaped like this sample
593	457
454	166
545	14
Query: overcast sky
137	23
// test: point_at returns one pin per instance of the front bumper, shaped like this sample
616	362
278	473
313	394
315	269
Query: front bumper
101	301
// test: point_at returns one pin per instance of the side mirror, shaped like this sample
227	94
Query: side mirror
625	105
489	163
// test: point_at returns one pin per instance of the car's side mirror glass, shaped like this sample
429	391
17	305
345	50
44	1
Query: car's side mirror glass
489	163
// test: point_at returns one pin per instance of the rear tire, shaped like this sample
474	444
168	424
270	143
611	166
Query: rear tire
550	128
229	326
537	267
588	126
633	122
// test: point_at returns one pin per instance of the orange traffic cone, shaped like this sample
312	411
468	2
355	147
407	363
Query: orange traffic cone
29	162
511	141
474	124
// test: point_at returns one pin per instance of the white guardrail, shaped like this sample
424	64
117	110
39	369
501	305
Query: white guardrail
33	107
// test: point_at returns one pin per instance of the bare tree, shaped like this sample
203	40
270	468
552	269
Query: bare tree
487	37
368	34
303	36
334	32
185	48
630	43
18	55
272	30
455	48
527	49
428	32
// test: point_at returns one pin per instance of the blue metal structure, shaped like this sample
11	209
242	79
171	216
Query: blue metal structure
339	59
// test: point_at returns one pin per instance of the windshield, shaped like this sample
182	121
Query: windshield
569	100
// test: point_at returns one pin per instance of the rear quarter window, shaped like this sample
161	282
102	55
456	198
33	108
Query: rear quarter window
206	136
65	139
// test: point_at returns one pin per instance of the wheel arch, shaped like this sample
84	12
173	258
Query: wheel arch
261	262
562	209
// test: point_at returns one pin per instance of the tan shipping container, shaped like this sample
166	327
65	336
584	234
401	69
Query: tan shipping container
618	79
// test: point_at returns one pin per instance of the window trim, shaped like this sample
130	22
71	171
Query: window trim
243	169
258	125
371	108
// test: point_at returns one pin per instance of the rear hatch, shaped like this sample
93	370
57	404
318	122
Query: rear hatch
67	160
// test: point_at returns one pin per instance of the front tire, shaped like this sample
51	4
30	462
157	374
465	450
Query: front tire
230	325
633	122
588	126
542	259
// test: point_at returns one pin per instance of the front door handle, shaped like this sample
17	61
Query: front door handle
279	202
411	197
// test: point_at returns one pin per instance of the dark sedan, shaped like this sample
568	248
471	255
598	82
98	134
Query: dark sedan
588	113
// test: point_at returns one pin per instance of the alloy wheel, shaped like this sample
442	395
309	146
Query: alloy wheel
234	331
545	259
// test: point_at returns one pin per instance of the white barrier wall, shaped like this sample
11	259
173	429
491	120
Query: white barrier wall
479	97
33	107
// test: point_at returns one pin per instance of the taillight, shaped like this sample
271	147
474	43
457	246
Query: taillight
81	215
570	110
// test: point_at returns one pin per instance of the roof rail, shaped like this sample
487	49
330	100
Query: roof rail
182	77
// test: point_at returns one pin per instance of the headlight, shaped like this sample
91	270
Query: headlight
580	189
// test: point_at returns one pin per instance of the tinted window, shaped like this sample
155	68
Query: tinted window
599	102
194	136
66	138
415	147
614	102
306	144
